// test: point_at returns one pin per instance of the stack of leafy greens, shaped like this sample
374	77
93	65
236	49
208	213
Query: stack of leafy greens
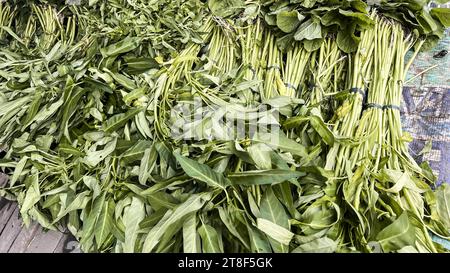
111	123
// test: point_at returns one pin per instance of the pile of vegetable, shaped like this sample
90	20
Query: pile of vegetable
218	126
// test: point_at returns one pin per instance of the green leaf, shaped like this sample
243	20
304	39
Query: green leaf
104	223
136	152
231	225
259	242
132	216
443	204
32	195
309	30
192	204
126	45
397	235
46	112
140	64
211	242
442	14
18	170
91	219
93	158
71	103
347	40
260	154
225	8
143	125
362	19
191	239
147	164
202	172
288	21
321	128
320	245
277	223
276	232
69	150
6	107
279	140
79	202
263	177
118	121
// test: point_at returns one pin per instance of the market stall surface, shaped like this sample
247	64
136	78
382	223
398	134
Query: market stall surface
16	238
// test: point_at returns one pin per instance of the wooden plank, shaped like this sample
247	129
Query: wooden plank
10	232
24	238
15	238
6	211
68	244
44	242
6	207
3	179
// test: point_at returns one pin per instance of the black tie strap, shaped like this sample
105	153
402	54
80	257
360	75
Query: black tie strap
290	86
382	107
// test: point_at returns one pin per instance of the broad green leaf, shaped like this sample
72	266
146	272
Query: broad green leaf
442	14
88	229
347	40
104	223
46	112
202	172
309	30
161	199
122	80
225	8
118	121
136	152
260	154
6	107
140	65
263	177
443	204
322	129
288	21
18	170
79	202
191	239
143	125
397	235
147	164
33	108
32	195
69	150
93	158
231	225
211	242
72	96
321	214
41	218
320	245
258	240
280	141
272	211
274	231
407	249
126	45
132	216
192	204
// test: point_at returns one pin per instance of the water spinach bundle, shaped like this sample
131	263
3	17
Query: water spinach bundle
218	126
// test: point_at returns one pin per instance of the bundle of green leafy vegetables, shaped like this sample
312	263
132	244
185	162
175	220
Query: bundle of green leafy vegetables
96	122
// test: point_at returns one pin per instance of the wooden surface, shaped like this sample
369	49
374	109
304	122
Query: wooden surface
16	238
